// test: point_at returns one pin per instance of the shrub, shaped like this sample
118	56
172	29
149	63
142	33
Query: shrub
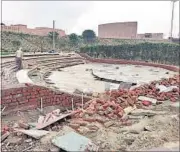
155	52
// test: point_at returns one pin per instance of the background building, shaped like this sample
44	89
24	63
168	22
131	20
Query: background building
41	31
125	30
150	36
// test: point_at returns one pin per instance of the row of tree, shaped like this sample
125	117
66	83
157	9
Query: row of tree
88	36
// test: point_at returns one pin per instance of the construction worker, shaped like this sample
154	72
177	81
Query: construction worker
19	57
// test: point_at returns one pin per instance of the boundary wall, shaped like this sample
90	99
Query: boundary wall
26	97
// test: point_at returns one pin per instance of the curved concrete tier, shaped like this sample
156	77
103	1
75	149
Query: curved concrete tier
22	76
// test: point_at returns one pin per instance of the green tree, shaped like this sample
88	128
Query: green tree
16	43
73	39
89	35
50	35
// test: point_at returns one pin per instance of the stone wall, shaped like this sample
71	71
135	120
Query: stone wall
23	97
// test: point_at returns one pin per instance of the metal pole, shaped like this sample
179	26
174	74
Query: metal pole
53	35
172	18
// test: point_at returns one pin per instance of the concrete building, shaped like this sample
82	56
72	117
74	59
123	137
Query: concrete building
156	36
41	31
124	30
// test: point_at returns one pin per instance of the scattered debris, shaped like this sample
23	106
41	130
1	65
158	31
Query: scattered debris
37	134
142	112
136	128
74	142
146	103
15	140
23	125
108	124
28	148
163	88
4	136
126	85
41	119
143	98
129	109
2	110
48	121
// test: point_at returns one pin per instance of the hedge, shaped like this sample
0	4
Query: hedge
165	53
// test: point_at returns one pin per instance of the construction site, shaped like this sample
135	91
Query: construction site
94	104
106	94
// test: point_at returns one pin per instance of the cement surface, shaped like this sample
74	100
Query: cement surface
80	77
22	76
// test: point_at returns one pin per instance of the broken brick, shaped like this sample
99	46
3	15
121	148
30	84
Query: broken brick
23	125
74	126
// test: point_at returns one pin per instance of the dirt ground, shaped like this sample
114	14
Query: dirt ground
145	132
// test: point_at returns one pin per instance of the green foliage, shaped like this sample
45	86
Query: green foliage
50	35
73	39
154	52
16	43
89	36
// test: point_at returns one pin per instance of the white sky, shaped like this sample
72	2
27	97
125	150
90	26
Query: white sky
76	16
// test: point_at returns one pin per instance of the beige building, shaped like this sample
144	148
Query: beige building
124	30
41	31
150	36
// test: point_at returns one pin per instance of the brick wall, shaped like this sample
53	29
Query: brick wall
121	61
28	97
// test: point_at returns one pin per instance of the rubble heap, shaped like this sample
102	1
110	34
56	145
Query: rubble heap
102	110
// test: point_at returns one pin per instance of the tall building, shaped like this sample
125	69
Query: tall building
124	30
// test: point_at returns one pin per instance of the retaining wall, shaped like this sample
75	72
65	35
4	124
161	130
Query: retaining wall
122	61
22	97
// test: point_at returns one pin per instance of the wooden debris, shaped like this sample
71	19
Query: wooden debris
4	136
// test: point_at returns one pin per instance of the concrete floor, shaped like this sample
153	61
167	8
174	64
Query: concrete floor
77	77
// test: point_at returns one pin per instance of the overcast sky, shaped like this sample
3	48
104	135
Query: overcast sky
76	16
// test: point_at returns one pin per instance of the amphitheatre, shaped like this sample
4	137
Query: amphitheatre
122	94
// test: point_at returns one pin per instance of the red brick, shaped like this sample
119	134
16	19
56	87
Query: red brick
7	97
13	92
89	119
26	94
23	125
74	126
25	90
6	101
17	95
23	101
13	104
14	100
28	97
33	100
3	93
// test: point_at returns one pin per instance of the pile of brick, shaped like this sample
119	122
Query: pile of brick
102	111
113	108
151	90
